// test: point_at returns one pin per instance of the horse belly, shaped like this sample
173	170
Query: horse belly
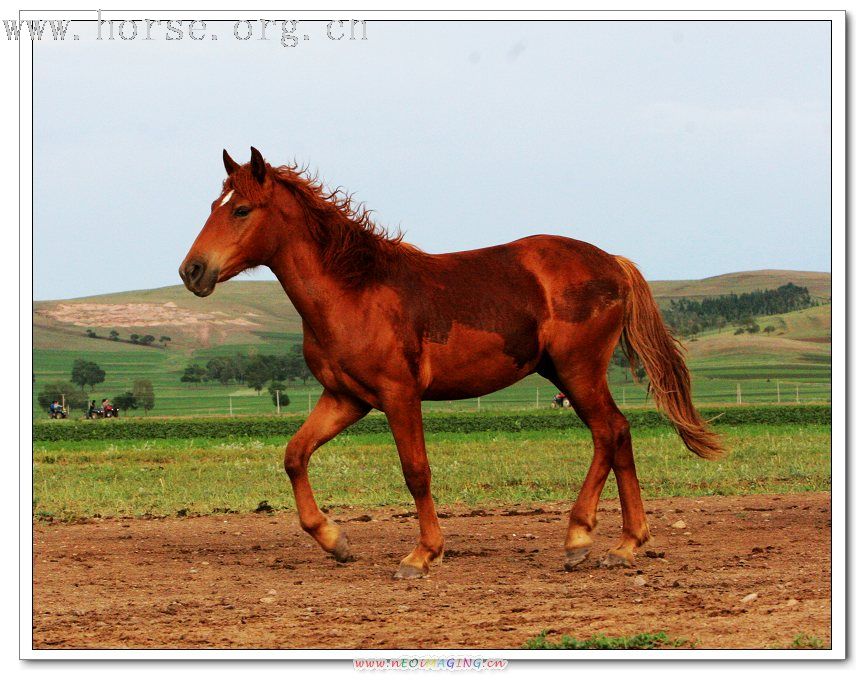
473	363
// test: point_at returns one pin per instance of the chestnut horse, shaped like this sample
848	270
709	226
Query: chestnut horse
387	326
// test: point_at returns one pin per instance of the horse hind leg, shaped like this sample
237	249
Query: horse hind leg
612	450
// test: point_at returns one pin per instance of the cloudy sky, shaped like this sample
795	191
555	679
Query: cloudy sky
693	148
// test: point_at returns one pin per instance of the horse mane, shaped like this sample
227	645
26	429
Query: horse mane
354	248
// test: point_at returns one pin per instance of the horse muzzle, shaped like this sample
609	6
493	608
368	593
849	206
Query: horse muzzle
198	277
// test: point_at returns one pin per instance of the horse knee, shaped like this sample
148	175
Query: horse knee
621	432
614	436
295	460
622	451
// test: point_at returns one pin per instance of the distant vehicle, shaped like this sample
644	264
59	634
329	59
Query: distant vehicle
57	411
108	410
561	401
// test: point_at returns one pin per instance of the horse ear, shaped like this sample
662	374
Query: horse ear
230	165
259	168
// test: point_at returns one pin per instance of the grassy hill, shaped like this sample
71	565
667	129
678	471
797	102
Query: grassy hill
798	350
239	312
256	316
819	284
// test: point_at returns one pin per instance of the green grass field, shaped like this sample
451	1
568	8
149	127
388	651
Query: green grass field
790	364
73	480
715	382
803	377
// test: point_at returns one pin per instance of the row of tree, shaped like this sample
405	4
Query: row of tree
76	397
254	371
134	338
689	317
140	396
88	374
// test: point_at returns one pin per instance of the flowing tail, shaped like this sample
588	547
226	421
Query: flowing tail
646	338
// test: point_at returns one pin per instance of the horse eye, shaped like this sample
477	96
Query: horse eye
242	211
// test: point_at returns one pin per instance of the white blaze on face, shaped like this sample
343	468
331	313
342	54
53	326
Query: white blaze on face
227	198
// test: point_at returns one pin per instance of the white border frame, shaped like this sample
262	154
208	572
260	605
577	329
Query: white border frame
839	348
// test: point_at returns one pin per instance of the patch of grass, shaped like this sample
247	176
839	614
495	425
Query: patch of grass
638	641
803	641
73	480
489	421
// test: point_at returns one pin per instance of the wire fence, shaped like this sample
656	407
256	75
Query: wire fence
299	399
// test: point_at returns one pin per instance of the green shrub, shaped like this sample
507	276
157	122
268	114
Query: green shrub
272	426
639	641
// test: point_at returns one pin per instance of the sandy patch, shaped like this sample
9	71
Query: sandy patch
138	315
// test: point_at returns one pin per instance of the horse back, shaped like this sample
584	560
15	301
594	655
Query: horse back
484	313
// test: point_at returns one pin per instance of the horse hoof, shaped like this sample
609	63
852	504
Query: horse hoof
575	557
408	571
614	559
341	551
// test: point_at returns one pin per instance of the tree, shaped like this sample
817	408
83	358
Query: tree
90	333
240	362
258	373
769	329
164	339
221	369
193	374
125	401
147	340
134	337
75	397
142	390
304	373
278	387
113	335
687	316
300	370
86	373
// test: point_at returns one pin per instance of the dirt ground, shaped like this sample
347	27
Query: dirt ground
257	581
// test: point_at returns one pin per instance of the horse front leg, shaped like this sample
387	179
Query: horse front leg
331	415
406	423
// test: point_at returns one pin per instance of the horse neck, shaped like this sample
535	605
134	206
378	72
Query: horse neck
298	265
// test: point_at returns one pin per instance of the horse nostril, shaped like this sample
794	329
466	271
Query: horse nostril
193	272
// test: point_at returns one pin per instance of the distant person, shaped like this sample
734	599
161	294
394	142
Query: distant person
91	408
108	411
560	399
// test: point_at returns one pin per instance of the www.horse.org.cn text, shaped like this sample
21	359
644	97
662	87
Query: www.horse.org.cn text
288	32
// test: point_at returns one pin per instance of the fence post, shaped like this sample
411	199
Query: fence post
624	398
537	397
797	394
230	406
739	394
778	387
479	403
277	402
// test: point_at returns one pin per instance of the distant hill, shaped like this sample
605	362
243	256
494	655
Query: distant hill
252	312
819	284
238	312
